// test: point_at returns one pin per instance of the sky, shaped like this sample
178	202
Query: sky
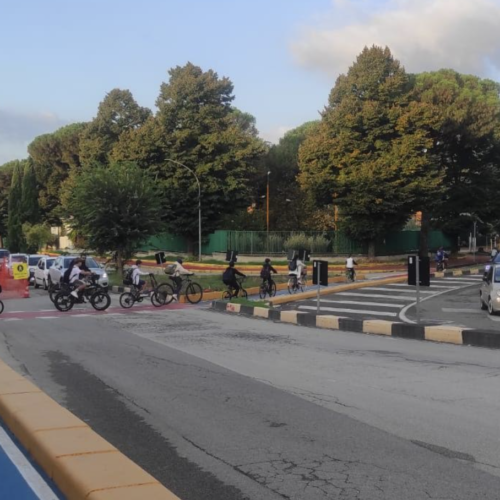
58	58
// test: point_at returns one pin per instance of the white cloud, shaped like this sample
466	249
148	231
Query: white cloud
274	135
18	129
424	35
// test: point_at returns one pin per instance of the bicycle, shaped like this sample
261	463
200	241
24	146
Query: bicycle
294	286
192	291
267	287
1	303
97	296
229	293
350	274
158	298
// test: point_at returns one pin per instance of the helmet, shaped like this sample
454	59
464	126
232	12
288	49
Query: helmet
267	261
231	264
179	260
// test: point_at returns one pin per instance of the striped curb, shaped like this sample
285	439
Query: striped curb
82	464
435	333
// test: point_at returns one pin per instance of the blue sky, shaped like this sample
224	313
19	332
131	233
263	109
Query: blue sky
60	57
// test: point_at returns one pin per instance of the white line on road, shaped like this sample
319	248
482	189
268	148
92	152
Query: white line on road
352	311
375	296
30	475
380	289
458	310
433	285
80	315
354	302
47	317
12	319
479	278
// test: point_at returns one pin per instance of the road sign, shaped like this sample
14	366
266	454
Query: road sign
20	271
423	271
231	256
160	258
320	272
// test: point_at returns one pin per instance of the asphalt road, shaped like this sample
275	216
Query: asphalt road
452	300
220	407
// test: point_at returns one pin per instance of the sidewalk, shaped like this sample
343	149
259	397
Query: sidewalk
19	480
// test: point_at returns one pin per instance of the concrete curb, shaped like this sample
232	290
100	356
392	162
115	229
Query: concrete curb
82	464
434	333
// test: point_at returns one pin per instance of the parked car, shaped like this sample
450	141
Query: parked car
61	264
494	260
33	261
489	295
17	258
42	272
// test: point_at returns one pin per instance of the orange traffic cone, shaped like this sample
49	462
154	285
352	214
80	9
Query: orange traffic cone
27	293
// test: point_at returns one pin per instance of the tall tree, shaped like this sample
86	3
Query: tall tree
462	118
115	208
6	171
117	113
15	221
30	209
196	126
360	157
55	156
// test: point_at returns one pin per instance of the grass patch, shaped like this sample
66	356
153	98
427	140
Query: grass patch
247	302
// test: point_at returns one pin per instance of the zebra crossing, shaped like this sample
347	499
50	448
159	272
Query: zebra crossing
388	301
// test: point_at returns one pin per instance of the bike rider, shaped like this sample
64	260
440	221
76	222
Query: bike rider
136	275
349	266
441	258
265	273
73	273
176	277
229	278
296	269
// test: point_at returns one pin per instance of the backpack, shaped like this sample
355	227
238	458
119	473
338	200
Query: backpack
127	279
170	269
265	272
227	276
66	275
292	266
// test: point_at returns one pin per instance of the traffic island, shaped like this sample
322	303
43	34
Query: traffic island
82	464
433	333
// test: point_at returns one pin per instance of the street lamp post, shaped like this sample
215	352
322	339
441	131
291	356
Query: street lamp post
199	202
268	174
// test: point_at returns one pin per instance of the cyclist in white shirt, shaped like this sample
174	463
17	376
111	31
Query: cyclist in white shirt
299	268
349	265
74	276
136	275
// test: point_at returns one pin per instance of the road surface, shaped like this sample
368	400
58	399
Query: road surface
219	407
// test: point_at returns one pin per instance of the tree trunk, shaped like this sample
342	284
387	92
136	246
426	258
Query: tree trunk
425	228
190	245
371	249
119	263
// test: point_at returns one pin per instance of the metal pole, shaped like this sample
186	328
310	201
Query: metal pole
474	242
268	204
318	274
418	288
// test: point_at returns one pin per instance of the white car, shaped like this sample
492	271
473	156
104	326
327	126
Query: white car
33	261
489	295
42	272
62	263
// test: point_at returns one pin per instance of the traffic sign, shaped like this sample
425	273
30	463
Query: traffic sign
20	271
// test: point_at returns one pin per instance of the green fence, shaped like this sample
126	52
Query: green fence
278	242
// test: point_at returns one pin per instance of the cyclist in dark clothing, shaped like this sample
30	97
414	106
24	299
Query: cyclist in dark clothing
229	278
265	272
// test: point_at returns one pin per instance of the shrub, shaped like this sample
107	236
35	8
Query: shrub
297	241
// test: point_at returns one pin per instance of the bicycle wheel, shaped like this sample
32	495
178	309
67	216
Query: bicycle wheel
272	289
165	293
64	302
243	294
263	291
194	293
53	292
100	300
1	307
127	300
226	295
292	286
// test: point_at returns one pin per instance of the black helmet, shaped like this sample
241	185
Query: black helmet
267	261
180	261
231	264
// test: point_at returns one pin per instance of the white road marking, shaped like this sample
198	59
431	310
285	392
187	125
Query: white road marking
458	310
12	319
47	317
380	289
80	315
375	296
354	302
30	475
432	285
479	278
351	311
